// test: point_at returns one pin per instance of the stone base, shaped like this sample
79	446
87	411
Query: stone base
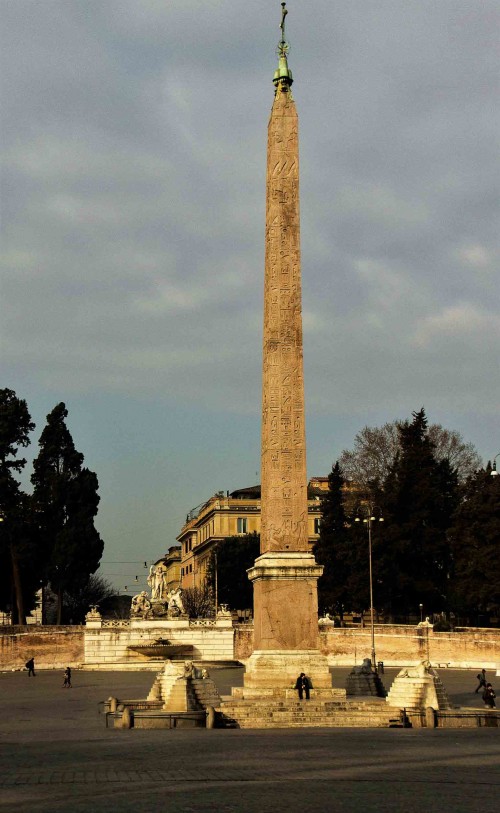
284	693
363	680
417	688
279	669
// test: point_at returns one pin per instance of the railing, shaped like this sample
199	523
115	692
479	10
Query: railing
116	622
202	622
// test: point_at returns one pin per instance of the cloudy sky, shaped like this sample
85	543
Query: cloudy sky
134	137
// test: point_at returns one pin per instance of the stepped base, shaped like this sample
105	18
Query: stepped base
314	713
279	669
418	687
284	693
181	687
364	681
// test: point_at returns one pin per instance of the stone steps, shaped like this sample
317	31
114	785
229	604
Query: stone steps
308	714
205	692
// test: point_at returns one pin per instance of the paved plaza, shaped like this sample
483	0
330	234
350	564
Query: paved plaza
56	755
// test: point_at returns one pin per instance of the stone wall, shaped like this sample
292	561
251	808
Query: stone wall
398	645
51	647
107	644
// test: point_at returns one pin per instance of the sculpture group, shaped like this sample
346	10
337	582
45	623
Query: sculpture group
161	603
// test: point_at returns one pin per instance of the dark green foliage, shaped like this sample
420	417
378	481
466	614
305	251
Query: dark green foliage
342	549
412	564
66	500
18	539
475	544
232	558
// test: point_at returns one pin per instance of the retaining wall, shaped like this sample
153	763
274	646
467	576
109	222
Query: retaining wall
52	647
106	646
398	645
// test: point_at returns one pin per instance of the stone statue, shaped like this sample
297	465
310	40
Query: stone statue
188	670
421	670
141	605
175	605
156	581
364	669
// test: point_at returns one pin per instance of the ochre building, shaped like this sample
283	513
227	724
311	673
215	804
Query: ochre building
233	514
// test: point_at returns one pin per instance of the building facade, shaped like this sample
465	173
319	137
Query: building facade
233	514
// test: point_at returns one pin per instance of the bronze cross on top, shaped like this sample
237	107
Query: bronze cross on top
282	24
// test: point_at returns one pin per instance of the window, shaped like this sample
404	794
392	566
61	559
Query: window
317	523
242	525
182	571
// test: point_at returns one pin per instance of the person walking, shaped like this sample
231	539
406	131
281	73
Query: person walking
489	696
30	666
67	678
303	685
482	680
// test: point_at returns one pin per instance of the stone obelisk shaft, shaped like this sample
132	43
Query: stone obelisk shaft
285	574
284	478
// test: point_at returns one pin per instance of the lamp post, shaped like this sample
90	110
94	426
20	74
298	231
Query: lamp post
421	612
369	518
494	472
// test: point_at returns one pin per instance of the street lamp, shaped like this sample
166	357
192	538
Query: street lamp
368	521
421	612
493	471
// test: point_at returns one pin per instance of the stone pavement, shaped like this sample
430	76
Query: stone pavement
56	755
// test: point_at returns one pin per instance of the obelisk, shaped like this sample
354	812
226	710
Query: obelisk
285	575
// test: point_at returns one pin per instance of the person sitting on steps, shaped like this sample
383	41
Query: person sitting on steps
303	685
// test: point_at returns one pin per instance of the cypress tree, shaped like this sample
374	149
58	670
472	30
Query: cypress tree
66	499
475	545
340	549
418	497
16	533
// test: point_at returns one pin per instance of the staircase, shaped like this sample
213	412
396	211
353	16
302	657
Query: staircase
205	693
418	688
314	713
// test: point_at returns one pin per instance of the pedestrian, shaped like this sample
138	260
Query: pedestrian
482	680
489	696
303	684
67	678
30	666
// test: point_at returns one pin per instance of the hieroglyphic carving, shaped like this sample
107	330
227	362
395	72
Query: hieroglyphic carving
284	483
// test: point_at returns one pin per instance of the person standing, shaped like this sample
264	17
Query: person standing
489	696
30	666
303	685
482	680
67	678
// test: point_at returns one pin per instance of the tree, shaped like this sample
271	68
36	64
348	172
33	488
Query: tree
375	450
475	545
66	499
342	551
418	497
78	602
15	426
198	601
232	557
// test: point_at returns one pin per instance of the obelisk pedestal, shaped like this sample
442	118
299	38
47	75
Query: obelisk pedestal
285	575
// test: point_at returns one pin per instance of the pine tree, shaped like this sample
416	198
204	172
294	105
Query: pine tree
475	543
341	551
418	497
66	499
232	557
15	530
